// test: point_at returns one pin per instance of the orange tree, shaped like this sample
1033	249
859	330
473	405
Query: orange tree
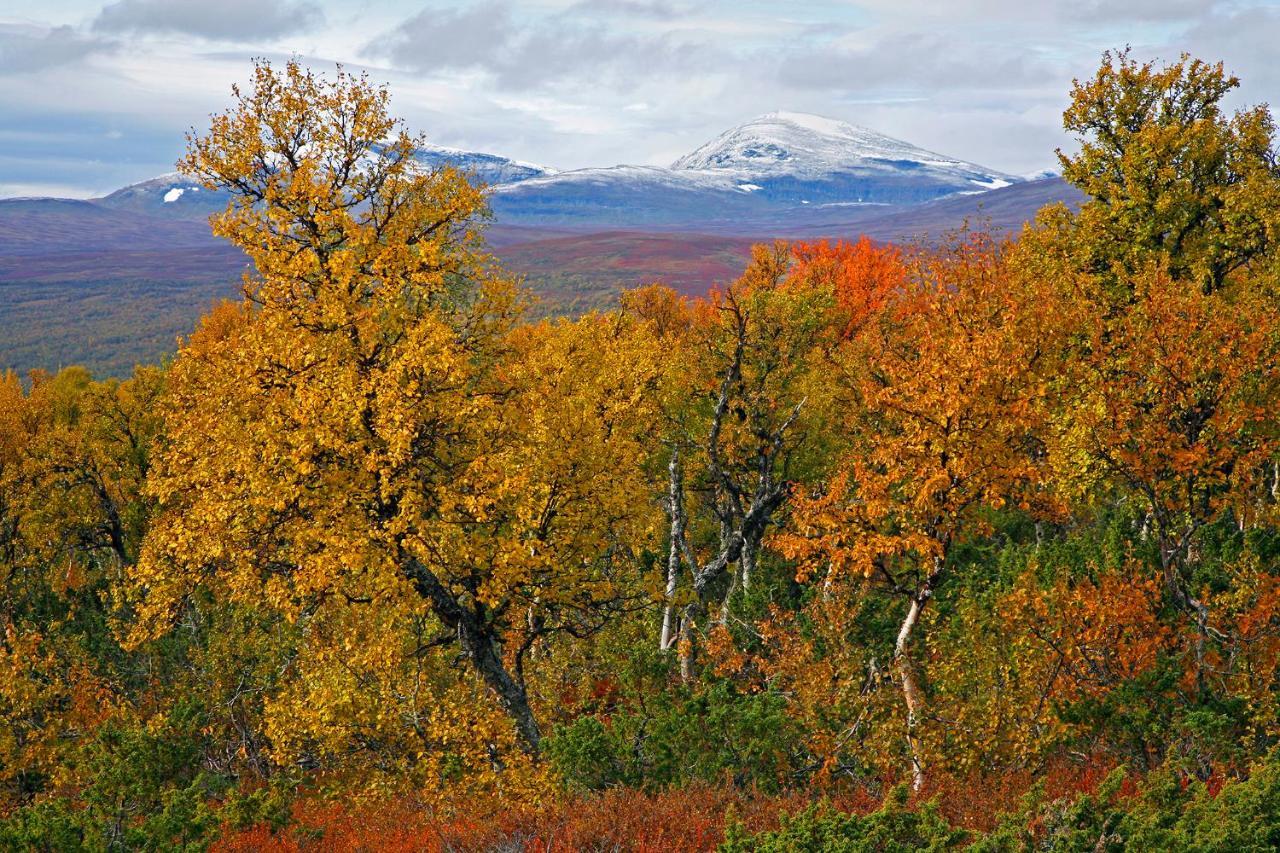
1171	404
1173	330
942	392
739	396
1162	420
747	404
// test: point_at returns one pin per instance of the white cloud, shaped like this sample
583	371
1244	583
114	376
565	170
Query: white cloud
26	49
566	48
575	83
228	20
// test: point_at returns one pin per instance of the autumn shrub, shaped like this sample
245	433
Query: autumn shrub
1165	810
136	785
709	735
894	828
691	818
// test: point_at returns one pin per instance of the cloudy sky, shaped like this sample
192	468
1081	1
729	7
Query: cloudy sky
95	94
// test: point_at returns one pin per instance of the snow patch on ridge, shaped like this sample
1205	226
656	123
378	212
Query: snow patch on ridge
816	123
175	193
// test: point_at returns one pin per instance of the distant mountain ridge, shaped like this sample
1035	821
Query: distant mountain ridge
490	169
774	166
176	196
172	196
41	226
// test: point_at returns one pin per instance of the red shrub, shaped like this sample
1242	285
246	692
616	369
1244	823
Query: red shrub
690	819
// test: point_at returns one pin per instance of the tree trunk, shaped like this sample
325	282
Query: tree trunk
675	508
750	549
728	596
686	644
911	687
481	648
911	691
511	695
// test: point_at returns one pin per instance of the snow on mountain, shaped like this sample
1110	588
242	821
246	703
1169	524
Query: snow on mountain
772	166
775	162
619	196
488	168
799	143
173	196
176	196
798	157
638	176
1042	174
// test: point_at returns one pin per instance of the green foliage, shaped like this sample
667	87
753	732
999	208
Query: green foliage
1244	817
1169	812
108	326
711	735
1169	174
892	829
148	790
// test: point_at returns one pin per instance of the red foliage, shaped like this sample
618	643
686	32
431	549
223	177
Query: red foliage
976	801
689	819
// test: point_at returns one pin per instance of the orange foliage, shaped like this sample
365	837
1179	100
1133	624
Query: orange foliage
692	818
945	386
689	819
975	800
1095	633
862	276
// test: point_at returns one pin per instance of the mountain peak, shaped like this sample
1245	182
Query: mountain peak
812	122
777	161
783	142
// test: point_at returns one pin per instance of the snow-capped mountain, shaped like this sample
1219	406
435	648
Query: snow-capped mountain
578	236
805	144
781	167
774	163
173	196
802	157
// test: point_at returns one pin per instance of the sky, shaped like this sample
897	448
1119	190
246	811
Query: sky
96	94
